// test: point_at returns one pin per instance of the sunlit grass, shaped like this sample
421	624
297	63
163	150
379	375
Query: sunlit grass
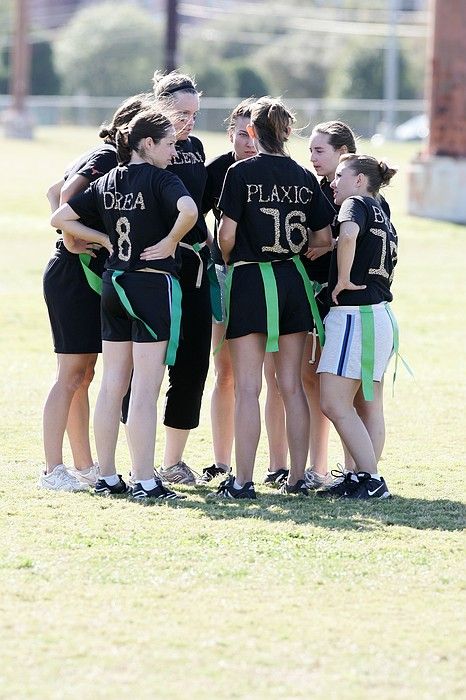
274	599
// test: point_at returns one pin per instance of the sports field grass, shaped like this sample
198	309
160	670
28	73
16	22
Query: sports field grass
272	599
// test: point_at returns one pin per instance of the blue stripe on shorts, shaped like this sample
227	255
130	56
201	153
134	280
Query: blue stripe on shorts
347	338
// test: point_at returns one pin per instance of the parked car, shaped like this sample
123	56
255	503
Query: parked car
412	129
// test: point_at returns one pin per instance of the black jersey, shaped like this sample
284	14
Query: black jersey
189	165
375	256
216	171
274	200
318	269
137	204
91	165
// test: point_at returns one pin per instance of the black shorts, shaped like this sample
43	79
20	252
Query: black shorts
248	312
149	294
74	308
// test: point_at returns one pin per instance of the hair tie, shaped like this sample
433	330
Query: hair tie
187	85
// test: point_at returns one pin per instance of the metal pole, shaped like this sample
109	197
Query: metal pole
171	35
390	91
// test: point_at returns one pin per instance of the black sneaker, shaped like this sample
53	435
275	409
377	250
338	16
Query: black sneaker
101	488
210	473
159	492
299	488
343	487
226	490
276	478
369	488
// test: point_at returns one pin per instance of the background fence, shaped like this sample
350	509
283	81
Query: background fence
366	117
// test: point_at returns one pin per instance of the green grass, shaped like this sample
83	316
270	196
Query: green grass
274	599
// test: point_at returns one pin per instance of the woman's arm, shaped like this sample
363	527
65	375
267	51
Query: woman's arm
67	189
320	239
227	236
185	221
345	256
74	185
67	220
53	195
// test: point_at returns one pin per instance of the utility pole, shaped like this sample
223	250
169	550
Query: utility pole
16	120
171	35
390	88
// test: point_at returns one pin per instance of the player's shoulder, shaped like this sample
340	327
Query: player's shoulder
306	172
222	161
246	165
196	143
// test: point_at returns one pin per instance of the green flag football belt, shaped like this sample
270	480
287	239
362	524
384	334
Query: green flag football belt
271	300
368	349
175	312
94	281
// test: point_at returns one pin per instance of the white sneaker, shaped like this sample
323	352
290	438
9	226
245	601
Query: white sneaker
88	477
178	473
317	481
60	480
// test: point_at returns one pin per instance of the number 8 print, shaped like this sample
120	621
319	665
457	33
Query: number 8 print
123	228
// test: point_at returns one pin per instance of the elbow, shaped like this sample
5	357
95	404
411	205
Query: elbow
327	236
55	221
192	212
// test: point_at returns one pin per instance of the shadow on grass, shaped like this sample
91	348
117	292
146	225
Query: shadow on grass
416	513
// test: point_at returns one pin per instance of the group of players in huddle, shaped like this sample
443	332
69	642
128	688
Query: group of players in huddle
137	276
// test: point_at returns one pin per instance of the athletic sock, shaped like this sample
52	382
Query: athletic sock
374	476
85	471
220	465
148	484
111	480
236	485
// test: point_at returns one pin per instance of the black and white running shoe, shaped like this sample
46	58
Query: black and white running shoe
342	488
159	493
298	489
369	488
276	478
210	473
226	489
103	489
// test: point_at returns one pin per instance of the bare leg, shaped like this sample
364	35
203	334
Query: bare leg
77	426
337	397
372	415
117	365
222	404
175	442
350	464
142	415
288	361
70	375
320	424
275	418
247	355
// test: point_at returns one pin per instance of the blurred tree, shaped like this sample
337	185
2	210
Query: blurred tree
215	80
291	68
44	80
109	49
359	73
248	81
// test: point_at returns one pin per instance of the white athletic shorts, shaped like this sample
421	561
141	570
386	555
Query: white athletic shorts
341	354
